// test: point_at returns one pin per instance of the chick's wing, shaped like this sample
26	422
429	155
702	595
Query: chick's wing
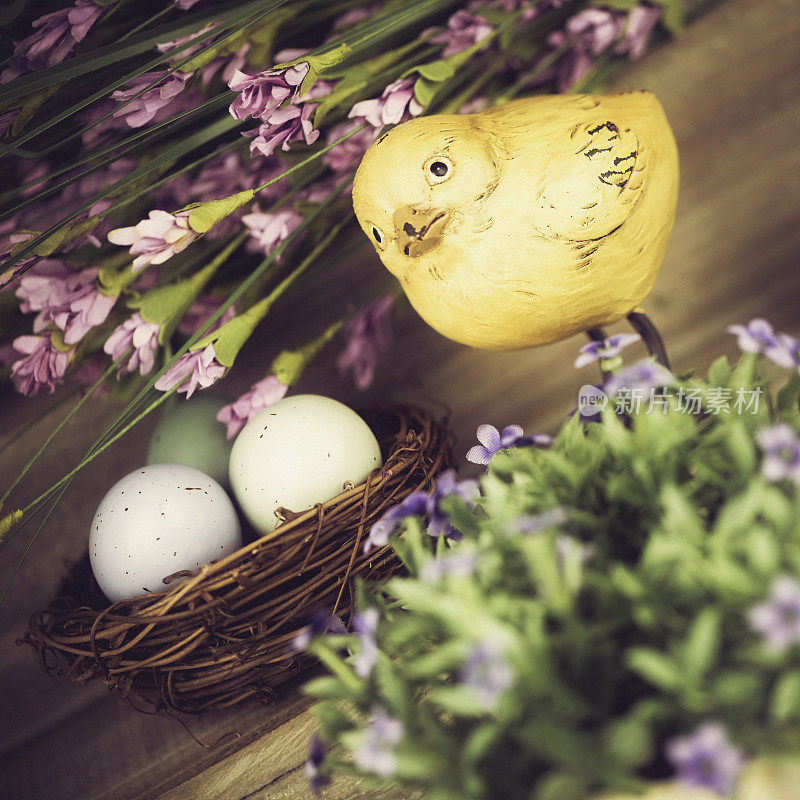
593	182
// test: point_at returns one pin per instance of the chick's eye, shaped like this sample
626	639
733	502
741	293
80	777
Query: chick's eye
438	169
377	234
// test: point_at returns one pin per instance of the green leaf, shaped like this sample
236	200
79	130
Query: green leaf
699	651
789	396
333	719
719	373
785	701
8	522
327	688
561	786
204	216
629	741
463	701
289	365
655	667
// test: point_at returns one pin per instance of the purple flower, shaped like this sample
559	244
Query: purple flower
588	34
192	369
43	365
462	32
143	109
319	623
781	447
368	335
355	15
199	313
365	624
706	758
606	349
269	229
165	47
262	394
282	127
69	300
185	5
759	337
638	27
422	503
260	95
487	673
457	564
643	375
492	442
347	155
316	756
777	619
396	104
157	239
375	753
56	37
142	336
7	120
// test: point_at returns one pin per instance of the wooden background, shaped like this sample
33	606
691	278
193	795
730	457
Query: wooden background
731	88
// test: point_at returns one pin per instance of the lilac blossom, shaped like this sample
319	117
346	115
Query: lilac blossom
638	29
355	15
227	66
367	336
777	619
587	34
759	337
260	95
261	395
492	442
464	30
138	334
422	503
316	756
781	447
269	229
72	301
643	375
9	242
706	758
376	752
347	155
185	5
284	126
53	40
192	369
157	239
365	624
165	47
396	104
200	311
43	365
320	623
606	349
141	110
7	120
487	673
457	564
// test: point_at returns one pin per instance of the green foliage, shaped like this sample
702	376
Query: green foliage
608	651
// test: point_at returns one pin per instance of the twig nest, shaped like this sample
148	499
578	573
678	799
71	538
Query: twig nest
226	634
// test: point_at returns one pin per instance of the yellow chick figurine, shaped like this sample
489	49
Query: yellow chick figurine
526	223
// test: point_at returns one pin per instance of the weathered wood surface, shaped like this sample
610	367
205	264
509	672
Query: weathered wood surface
730	87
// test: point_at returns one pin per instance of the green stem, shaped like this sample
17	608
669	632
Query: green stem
77	407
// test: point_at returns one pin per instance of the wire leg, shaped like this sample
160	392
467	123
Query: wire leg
650	336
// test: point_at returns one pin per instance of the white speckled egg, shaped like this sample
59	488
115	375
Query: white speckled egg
299	451
156	521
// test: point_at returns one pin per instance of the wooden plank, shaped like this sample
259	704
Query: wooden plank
729	86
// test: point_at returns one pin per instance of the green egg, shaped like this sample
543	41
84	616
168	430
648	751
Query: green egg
190	434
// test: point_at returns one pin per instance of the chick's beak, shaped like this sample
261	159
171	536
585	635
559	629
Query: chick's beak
418	230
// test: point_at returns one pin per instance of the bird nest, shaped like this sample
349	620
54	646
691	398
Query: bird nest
226	633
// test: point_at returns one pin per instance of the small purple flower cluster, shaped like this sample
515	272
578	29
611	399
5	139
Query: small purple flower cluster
759	337
493	441
423	504
706	758
367	336
273	98
262	394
